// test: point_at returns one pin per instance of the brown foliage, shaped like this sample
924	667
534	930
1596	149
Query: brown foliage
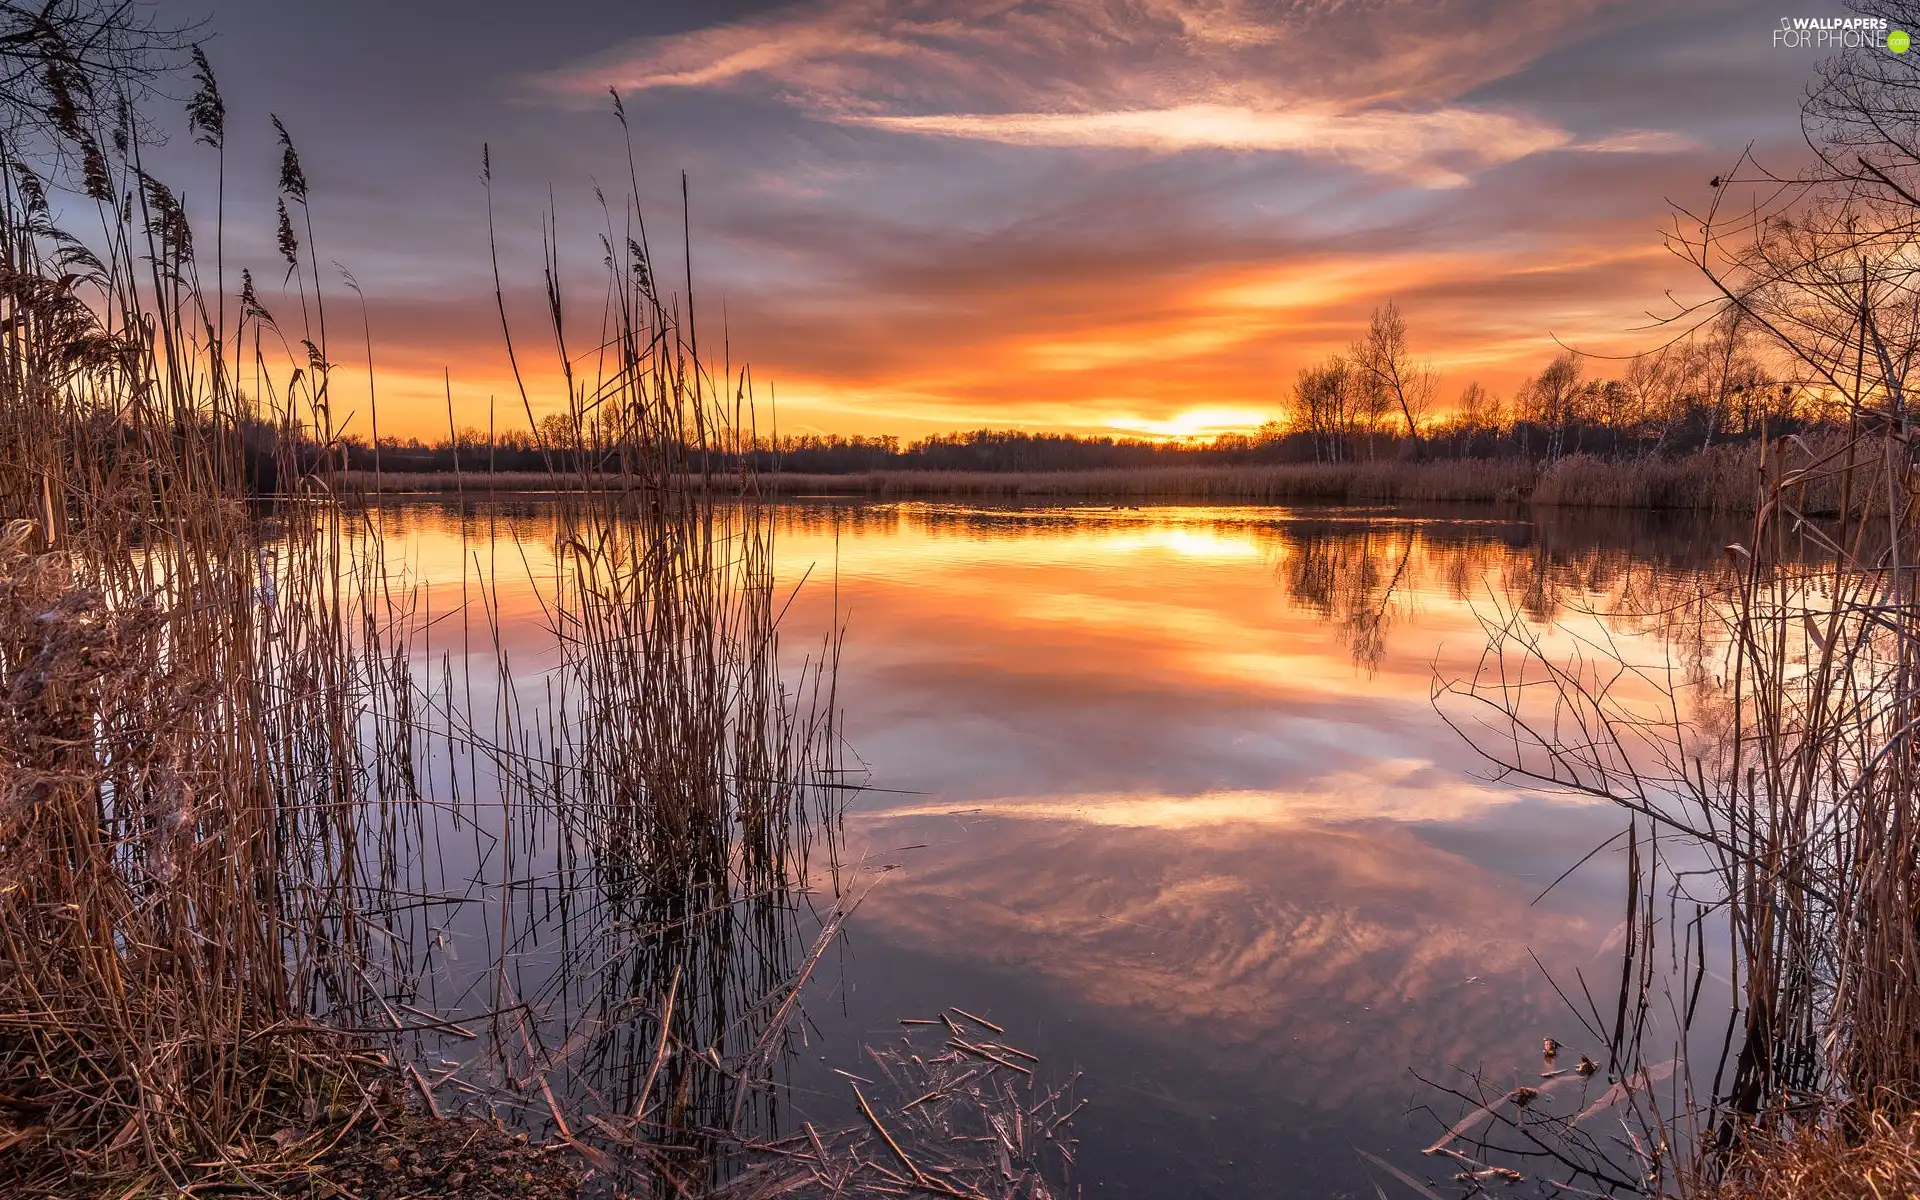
1825	1162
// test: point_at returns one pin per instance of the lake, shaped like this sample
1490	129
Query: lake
1163	792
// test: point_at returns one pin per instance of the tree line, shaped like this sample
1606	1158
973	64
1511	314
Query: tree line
1375	401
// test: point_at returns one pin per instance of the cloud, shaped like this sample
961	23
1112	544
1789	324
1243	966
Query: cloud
908	47
992	330
1415	144
1641	141
1070	50
1136	215
1375	89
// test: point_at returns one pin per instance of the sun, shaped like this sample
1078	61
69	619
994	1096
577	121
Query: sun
1194	423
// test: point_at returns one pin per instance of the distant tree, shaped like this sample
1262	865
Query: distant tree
1401	381
1478	408
1733	374
1653	383
559	432
1549	399
1326	409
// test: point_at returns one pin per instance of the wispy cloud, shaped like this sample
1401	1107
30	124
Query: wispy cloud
1158	49
1375	89
1434	148
833	48
1145	215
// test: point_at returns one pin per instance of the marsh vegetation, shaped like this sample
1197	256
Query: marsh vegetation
259	789
267	790
1772	794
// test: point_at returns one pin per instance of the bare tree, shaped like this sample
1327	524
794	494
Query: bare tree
1326	406
1402	381
1548	398
1479	408
1653	384
70	68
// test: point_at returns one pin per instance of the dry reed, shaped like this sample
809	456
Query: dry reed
954	1111
218	712
180	749
1823	1163
1775	833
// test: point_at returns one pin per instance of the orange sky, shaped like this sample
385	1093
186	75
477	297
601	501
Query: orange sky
1212	350
1104	216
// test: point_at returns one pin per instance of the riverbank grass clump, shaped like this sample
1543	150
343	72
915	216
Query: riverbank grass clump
145	1034
1824	1162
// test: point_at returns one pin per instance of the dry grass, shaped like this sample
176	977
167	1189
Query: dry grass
1824	1162
952	1112
1466	480
179	752
144	1014
445	482
212	727
1719	479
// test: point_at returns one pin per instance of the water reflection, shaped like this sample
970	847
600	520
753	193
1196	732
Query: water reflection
1170	801
590	906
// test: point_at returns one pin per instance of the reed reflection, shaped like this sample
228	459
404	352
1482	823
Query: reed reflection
600	923
1179	766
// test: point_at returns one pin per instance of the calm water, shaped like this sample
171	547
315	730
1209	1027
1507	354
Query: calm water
1168	799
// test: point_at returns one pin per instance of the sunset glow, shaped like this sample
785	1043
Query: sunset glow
1096	217
998	599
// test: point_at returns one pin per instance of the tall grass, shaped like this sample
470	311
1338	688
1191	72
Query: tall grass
171	743
689	769
1771	779
220	715
1718	479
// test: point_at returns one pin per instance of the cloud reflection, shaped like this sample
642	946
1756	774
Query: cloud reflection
1358	950
1150	776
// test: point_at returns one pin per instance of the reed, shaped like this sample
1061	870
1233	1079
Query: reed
1718	479
1823	1163
190	687
1770	776
149	1026
946	1087
683	771
221	715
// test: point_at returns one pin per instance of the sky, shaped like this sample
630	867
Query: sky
1128	217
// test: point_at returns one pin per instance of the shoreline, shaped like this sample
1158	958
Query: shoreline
1717	480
